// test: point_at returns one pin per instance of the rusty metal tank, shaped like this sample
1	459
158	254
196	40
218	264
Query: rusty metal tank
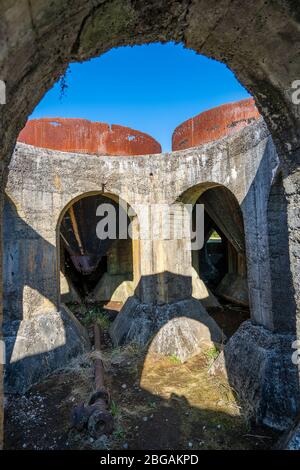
83	136
214	124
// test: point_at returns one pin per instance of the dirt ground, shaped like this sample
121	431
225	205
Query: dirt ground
157	403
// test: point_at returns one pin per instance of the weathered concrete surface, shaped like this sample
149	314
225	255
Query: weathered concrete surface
201	292
259	366
214	124
114	287
68	293
181	328
50	341
86	29
117	284
83	136
290	440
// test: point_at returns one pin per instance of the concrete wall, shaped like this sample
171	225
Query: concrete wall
117	283
41	184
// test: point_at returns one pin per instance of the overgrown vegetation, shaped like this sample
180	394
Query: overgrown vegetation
114	409
154	404
96	315
91	314
63	84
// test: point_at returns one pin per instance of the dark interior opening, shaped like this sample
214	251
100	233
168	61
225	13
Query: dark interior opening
221	262
85	259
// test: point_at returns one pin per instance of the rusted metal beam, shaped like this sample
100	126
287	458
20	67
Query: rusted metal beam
76	230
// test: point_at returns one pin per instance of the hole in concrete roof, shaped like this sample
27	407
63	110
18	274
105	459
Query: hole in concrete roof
123	86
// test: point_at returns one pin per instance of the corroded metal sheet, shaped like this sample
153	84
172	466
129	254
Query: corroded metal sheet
214	124
83	136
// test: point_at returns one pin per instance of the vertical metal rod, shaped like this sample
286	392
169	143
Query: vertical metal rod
99	369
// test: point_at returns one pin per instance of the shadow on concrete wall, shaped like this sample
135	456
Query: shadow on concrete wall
164	315
41	338
283	293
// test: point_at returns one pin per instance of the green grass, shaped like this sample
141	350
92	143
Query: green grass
119	433
174	359
114	409
96	315
214	236
152	405
212	354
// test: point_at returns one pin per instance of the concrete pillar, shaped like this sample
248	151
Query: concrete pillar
166	274
136	250
284	252
259	356
163	309
292	190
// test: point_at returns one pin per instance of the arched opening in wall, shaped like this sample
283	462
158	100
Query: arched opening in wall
220	265
96	257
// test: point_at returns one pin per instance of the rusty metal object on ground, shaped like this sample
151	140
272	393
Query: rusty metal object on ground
215	124
96	416
83	136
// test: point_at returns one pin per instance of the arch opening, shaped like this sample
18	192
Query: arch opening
220	263
96	254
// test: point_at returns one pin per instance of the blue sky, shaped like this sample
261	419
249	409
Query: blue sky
151	88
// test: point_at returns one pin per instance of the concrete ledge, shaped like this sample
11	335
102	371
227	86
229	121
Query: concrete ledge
181	328
38	346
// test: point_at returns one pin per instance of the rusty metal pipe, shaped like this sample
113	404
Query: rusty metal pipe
99	369
95	417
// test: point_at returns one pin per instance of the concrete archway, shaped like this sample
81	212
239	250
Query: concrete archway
219	262
92	269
